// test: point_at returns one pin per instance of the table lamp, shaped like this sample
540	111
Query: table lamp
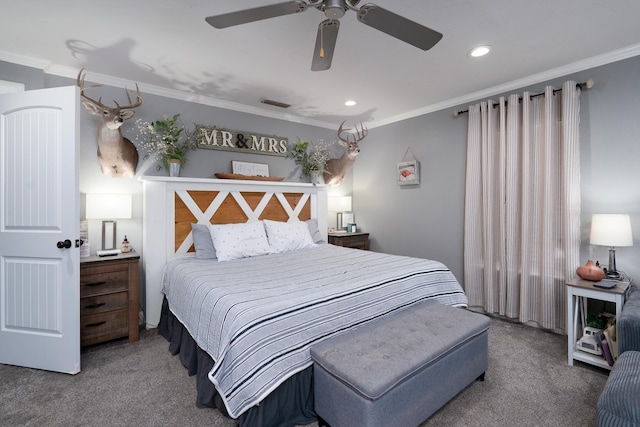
340	205
611	230
108	208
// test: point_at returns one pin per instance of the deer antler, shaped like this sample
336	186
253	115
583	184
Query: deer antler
82	86
362	133
359	136
131	105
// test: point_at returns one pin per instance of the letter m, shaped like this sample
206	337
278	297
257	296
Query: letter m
258	145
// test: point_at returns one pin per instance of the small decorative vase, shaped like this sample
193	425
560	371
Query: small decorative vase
174	167
590	271
314	177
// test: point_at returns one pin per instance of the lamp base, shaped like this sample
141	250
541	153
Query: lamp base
612	272
108	232
614	275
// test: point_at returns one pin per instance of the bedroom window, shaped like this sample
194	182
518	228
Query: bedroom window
522	206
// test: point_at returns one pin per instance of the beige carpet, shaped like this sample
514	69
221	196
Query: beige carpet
528	383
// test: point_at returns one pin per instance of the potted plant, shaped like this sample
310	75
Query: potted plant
167	140
312	158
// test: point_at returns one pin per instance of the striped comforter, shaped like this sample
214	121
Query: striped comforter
257	317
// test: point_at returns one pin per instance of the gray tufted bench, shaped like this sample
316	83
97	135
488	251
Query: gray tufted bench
399	369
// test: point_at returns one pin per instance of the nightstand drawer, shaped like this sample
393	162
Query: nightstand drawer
109	298
103	279
350	240
102	303
103	326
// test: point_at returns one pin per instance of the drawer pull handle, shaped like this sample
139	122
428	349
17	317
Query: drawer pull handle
95	283
100	304
93	325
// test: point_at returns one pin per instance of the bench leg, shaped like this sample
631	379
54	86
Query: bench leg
481	377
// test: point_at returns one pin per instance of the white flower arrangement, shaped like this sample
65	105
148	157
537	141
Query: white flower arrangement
165	139
311	157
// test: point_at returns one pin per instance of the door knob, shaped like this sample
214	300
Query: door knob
64	245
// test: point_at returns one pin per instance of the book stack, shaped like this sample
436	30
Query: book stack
608	342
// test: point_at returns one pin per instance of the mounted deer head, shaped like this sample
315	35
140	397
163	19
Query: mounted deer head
337	169
116	154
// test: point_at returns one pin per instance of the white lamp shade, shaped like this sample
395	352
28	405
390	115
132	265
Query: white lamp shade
611	230
108	206
339	203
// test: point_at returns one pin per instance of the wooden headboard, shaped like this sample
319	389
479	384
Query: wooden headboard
226	207
171	205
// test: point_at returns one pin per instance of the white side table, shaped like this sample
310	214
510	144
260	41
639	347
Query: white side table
578	291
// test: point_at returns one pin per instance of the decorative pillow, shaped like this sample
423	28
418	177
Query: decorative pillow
314	230
202	241
288	236
233	241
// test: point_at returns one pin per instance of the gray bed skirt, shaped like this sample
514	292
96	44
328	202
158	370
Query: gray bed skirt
290	404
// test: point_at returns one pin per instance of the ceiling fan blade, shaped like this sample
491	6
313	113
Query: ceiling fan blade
256	14
399	27
325	45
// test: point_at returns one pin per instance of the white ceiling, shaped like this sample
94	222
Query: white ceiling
167	47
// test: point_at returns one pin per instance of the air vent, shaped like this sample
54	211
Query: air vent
275	103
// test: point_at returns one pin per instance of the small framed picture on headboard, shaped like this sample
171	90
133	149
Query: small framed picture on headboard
249	169
408	172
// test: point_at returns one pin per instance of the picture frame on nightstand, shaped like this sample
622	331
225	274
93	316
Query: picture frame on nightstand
347	218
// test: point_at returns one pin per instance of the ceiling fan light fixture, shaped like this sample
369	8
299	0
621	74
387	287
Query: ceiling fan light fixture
334	9
374	16
479	51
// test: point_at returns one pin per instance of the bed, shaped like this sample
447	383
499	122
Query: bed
245	326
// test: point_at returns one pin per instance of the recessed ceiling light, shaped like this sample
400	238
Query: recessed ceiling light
479	51
350	103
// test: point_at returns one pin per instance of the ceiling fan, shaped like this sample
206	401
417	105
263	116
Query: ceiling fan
369	14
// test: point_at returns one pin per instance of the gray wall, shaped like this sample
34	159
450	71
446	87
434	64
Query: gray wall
427	220
32	78
201	163
422	220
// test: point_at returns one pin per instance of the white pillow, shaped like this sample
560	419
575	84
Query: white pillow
288	236
233	241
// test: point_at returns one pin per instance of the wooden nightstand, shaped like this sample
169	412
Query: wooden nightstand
350	240
109	298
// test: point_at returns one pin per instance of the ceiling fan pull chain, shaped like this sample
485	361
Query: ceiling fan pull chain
321	41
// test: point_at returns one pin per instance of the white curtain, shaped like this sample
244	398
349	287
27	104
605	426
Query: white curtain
522	205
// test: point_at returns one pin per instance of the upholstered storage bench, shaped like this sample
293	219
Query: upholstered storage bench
399	369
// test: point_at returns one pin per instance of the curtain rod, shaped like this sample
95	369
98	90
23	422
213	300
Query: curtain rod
584	85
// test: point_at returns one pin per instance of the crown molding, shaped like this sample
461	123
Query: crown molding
70	72
27	61
574	67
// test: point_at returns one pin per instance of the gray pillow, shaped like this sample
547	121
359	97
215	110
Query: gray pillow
202	241
314	230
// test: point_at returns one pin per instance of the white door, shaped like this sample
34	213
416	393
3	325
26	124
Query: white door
39	225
